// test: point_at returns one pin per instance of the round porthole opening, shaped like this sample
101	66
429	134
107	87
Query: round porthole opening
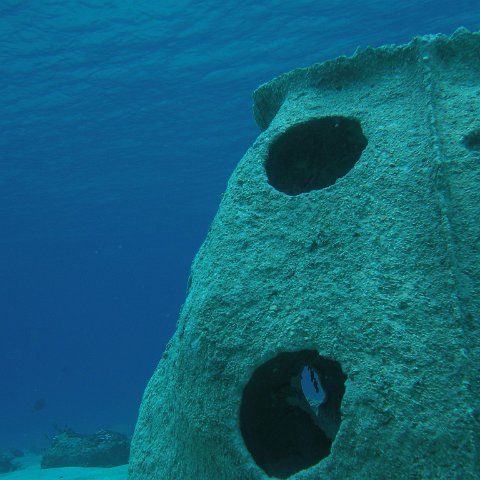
313	155
290	412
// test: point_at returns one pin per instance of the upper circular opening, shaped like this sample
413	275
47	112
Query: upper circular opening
290	411
314	154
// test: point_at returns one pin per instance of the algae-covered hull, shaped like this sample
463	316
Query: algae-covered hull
346	248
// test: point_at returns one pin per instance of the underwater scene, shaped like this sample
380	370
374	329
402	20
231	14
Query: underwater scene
239	240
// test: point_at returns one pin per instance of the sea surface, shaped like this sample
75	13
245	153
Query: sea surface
120	125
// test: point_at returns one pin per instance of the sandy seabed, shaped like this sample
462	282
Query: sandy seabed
30	470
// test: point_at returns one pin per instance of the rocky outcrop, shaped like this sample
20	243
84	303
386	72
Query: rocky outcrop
102	449
6	463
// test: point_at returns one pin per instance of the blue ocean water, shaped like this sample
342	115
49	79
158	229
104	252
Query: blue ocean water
121	123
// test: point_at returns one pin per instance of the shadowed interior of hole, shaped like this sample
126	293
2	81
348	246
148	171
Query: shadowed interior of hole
280	428
314	154
472	140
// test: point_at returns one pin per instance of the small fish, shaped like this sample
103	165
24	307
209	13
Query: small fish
39	405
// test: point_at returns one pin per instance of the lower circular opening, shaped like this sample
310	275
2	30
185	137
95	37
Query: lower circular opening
290	411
